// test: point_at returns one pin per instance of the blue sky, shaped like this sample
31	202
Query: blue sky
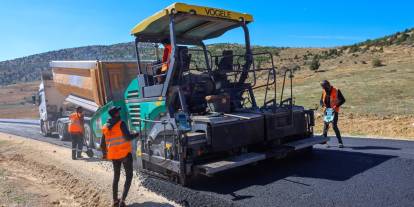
34	26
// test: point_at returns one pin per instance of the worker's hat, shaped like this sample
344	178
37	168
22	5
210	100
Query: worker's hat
113	110
325	83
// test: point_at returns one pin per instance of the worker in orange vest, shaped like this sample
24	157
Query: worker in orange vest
76	130
165	60
332	98
116	145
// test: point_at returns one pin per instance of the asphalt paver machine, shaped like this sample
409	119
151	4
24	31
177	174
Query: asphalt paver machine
208	112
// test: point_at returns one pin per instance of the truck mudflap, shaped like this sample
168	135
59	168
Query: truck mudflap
212	168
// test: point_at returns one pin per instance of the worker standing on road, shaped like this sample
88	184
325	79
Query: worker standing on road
76	130
332	98
116	145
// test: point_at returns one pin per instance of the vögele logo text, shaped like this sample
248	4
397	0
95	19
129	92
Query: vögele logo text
218	13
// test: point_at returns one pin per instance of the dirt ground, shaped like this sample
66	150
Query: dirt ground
34	173
387	127
16	100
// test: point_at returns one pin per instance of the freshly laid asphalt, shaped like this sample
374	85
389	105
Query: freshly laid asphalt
367	172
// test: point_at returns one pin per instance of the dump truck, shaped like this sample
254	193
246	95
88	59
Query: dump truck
89	84
209	112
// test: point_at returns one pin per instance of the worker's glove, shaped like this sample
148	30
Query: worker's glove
334	108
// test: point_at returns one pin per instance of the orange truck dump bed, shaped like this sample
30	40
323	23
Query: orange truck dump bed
96	81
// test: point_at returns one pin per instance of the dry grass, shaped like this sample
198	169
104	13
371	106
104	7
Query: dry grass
16	100
380	101
384	91
393	127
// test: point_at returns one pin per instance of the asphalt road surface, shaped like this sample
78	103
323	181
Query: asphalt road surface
367	172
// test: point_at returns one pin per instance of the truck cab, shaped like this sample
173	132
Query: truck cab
51	106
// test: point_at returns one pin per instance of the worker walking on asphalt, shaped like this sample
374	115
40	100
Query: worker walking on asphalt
116	145
332	98
76	130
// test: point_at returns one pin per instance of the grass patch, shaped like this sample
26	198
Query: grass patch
19	199
367	90
2	142
2	173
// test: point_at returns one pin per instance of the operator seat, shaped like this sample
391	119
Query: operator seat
184	58
226	62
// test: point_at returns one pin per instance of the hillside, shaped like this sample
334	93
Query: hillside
28	68
379	96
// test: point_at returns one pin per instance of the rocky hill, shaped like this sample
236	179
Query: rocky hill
28	68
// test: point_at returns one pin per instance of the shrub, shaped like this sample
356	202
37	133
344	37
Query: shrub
376	63
314	65
402	38
353	49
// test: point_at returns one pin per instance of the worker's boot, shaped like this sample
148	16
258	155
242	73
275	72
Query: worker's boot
116	203
79	154
122	203
340	145
73	154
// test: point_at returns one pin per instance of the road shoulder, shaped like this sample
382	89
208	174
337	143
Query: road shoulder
47	168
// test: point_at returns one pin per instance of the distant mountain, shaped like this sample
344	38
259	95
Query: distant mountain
28	68
400	38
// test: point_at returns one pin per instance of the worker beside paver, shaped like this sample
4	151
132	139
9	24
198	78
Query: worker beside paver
332	98
116	145
76	130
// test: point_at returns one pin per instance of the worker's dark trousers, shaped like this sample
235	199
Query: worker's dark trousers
77	144
127	163
334	126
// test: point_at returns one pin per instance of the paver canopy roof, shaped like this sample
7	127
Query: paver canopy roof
192	23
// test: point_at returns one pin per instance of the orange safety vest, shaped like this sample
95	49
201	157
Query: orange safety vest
333	99
75	124
166	58
117	145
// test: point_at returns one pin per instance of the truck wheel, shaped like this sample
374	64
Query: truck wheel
89	136
62	131
43	129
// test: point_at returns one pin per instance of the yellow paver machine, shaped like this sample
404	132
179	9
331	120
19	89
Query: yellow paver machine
208	112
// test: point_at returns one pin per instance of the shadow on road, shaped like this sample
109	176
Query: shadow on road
91	159
374	148
322	164
150	204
